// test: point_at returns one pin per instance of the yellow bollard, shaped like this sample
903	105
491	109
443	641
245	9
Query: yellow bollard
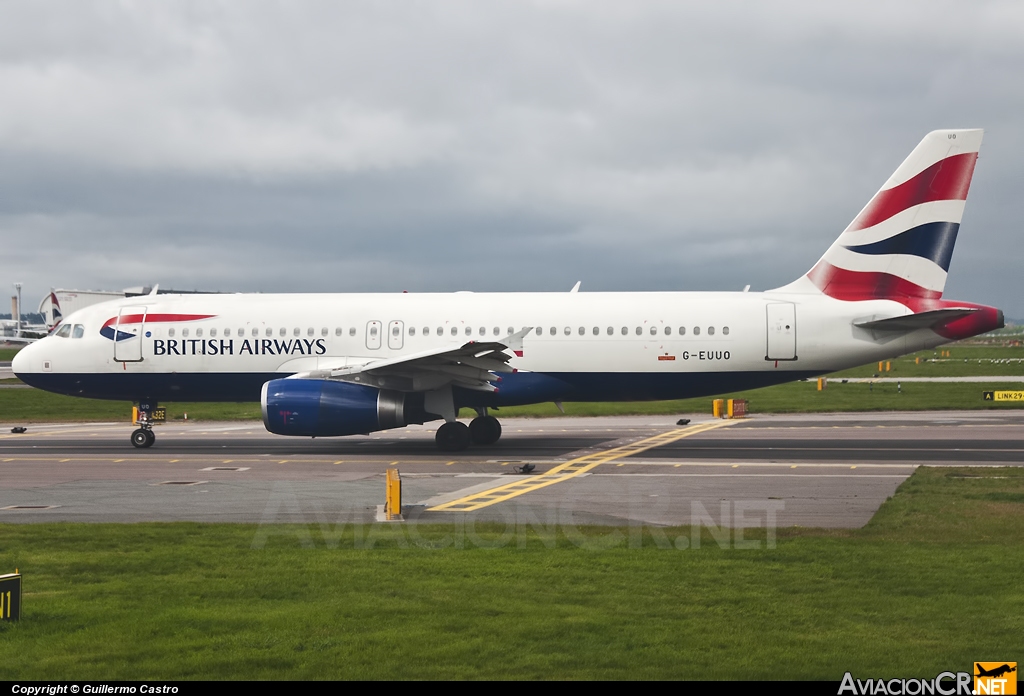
393	495
917	361
718	408
822	383
888	366
881	366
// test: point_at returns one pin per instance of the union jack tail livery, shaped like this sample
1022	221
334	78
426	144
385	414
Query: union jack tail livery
900	245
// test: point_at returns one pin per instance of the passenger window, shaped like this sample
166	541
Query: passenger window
696	331
711	331
540	330
511	330
552	331
213	332
625	330
296	331
184	332
497	331
639	330
668	330
337	331
373	330
64	331
199	332
412	330
654	330
682	330
78	331
440	331
352	331
583	331
469	331
455	331
725	330
323	331
394	330
611	330
483	331
241	332
170	332
568	331
268	332
426	330
597	331
282	331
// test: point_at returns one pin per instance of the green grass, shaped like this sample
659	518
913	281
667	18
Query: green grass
7	354
931	584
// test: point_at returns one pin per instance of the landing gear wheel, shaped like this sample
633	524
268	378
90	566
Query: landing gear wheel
452	437
143	438
485	430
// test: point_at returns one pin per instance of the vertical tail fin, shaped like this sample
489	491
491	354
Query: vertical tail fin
901	243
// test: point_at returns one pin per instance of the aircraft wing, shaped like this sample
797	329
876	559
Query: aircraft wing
472	365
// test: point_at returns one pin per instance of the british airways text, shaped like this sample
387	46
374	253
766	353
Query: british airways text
256	346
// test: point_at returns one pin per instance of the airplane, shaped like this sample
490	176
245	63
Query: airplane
344	364
995	671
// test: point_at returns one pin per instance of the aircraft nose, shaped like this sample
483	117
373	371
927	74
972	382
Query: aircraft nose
22	363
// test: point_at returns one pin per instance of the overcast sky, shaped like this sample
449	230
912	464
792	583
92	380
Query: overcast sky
387	146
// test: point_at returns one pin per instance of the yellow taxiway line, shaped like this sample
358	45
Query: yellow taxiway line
570	469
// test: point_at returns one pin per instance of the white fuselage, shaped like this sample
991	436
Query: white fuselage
603	346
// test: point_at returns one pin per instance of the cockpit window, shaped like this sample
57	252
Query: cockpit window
64	331
78	331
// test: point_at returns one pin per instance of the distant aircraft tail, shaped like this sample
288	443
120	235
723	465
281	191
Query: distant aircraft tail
900	245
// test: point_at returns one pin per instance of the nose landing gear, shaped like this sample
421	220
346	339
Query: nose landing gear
143	437
142	416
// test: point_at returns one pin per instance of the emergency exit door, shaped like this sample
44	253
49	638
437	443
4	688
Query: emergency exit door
781	331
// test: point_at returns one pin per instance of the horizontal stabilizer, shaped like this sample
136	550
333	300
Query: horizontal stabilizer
922	320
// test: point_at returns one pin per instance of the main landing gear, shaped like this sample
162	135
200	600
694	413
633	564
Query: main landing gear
455	436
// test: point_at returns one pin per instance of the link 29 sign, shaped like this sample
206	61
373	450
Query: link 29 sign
10	597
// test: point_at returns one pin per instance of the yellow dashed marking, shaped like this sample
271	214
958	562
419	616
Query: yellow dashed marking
64	460
448	463
571	469
793	467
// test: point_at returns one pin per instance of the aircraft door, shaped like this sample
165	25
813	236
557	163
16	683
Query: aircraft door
396	335
781	331
373	331
128	332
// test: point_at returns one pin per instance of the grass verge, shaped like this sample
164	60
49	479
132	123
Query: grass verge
931	584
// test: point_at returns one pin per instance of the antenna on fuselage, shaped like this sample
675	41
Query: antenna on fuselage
576	287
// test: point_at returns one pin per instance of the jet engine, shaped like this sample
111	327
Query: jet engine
322	408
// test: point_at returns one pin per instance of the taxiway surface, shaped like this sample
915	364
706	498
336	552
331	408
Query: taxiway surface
808	470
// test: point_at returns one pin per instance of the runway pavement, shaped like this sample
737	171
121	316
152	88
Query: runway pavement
808	470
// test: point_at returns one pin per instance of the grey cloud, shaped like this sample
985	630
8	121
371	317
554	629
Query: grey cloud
313	146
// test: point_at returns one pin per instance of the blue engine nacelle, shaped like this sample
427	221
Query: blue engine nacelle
321	408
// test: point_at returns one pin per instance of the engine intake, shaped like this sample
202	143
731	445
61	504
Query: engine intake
321	408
